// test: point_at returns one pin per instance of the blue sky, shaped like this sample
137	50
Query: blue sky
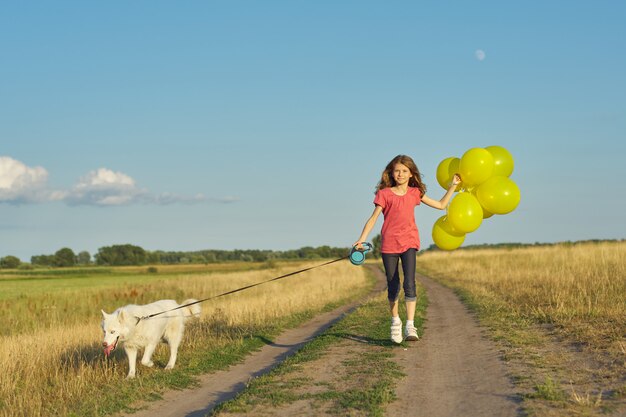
230	124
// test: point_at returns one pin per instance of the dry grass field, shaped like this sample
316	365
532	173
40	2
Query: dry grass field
52	358
559	313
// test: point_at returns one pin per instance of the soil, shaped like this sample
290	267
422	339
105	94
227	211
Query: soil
452	370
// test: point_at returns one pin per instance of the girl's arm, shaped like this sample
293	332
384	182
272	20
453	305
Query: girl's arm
369	225
443	203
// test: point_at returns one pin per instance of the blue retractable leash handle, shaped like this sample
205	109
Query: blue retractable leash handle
357	257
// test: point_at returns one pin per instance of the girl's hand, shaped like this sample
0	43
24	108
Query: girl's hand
358	245
456	180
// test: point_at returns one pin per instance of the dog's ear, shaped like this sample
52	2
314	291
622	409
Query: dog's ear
125	317
121	316
104	314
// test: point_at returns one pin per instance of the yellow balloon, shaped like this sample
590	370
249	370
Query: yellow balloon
502	161
465	213
486	213
446	170
444	236
498	195
476	166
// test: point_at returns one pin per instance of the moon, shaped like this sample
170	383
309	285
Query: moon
480	54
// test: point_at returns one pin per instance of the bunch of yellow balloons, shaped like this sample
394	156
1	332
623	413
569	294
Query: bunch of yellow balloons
485	190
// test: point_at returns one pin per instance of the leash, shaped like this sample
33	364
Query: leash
242	288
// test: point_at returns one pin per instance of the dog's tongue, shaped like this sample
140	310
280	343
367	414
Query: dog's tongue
109	349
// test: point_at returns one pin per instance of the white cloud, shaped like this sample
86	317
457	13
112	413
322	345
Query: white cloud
169	198
480	54
102	187
20	183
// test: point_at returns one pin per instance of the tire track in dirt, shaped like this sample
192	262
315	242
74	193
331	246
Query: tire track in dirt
224	385
453	370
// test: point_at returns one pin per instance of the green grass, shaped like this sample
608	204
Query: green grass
549	390
32	287
51	272
373	372
19	284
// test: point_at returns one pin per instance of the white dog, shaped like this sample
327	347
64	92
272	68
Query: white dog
129	325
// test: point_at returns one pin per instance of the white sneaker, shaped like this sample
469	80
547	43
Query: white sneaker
396	332
411	334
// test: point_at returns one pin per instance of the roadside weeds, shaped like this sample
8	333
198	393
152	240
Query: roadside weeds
348	370
554	374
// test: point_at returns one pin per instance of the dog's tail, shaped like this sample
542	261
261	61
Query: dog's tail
192	310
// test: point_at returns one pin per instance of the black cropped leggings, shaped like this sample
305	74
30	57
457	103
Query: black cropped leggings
390	262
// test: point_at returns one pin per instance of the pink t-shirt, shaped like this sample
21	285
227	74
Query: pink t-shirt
399	229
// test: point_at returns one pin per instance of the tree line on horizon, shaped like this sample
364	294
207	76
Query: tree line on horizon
132	255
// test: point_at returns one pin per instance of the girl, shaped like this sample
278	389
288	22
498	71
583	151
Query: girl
400	189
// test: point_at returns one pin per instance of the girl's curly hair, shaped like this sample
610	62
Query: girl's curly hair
386	179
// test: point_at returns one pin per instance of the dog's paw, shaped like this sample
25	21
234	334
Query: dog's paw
168	367
149	364
130	376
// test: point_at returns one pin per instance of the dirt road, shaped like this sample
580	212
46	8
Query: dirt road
453	370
